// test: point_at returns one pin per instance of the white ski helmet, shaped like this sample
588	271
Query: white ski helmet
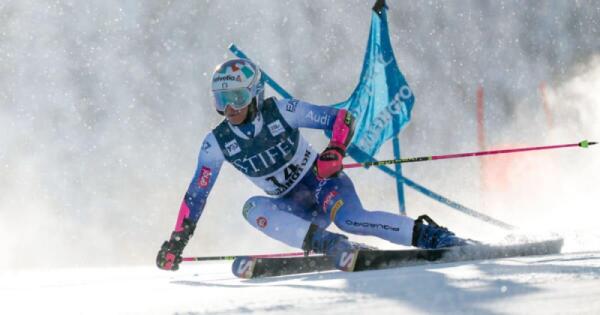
236	83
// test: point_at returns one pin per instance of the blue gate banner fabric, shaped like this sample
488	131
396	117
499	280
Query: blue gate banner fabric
382	102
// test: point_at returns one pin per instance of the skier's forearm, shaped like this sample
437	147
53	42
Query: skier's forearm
195	198
209	164
342	130
329	162
190	210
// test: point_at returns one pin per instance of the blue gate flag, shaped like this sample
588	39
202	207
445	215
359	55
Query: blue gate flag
382	102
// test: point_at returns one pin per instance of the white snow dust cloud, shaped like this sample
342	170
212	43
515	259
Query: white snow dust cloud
104	105
554	191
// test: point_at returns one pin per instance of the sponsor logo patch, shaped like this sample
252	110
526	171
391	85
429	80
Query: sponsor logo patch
335	209
247	207
346	261
232	147
283	150
348	119
291	105
245	268
320	119
205	175
276	128
262	222
328	200
376	226
206	146
228	77
320	188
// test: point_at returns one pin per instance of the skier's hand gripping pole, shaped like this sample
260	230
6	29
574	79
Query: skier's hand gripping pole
169	255
329	163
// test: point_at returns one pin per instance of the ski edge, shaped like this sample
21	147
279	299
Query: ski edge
248	267
385	259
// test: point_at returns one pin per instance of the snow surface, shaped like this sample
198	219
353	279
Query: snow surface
556	284
103	104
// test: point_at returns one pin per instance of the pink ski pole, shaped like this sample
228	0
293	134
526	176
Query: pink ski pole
582	144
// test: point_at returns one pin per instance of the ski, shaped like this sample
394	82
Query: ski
249	267
373	260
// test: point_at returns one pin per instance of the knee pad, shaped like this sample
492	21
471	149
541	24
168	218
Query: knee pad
248	206
255	212
255	205
266	215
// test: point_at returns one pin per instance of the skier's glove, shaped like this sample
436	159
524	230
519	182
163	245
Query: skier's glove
169	255
329	163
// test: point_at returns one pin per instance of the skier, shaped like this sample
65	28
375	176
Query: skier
307	191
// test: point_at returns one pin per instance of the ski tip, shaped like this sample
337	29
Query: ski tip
585	143
243	267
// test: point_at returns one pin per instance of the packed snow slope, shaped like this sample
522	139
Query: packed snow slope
103	105
561	284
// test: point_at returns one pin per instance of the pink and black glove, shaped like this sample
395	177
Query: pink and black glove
169	255
329	162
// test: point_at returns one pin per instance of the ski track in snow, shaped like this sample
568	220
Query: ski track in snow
557	284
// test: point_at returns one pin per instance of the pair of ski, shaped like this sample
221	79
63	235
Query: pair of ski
249	267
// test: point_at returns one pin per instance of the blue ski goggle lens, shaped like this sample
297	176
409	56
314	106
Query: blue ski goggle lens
237	99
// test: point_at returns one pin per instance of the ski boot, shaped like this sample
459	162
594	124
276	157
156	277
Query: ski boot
432	236
336	246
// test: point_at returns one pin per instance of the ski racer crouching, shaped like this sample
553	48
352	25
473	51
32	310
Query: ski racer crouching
307	191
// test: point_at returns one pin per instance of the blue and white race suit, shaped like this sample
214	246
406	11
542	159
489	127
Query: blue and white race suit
271	152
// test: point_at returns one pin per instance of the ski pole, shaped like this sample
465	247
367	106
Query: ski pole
582	144
207	258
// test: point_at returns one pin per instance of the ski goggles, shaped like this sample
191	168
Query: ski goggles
236	98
